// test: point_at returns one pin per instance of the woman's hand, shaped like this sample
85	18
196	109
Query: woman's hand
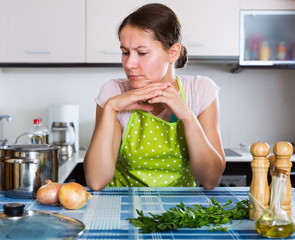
138	98
172	100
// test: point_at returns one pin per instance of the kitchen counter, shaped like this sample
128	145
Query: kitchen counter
67	166
245	156
105	214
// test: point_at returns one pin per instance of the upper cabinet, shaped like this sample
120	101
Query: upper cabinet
85	31
103	19
40	31
267	4
210	28
267	38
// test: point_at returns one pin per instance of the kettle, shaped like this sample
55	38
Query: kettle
63	135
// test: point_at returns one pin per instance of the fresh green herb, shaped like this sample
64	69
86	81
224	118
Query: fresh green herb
215	215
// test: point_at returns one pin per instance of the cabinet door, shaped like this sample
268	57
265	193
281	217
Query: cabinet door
267	4
210	28
103	19
42	31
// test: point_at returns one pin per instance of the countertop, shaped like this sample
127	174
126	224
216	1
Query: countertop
245	155
105	214
68	165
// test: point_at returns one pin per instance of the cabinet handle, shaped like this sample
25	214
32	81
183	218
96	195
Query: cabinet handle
192	44
112	52
38	52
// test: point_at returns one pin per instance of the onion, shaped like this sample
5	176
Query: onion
48	194
73	195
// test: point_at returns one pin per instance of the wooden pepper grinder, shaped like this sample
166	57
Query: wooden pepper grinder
259	188
283	152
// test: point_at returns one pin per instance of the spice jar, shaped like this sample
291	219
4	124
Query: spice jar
264	51
281	51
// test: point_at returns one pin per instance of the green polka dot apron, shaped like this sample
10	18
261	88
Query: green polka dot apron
153	153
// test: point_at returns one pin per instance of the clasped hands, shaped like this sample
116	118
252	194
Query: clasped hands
147	97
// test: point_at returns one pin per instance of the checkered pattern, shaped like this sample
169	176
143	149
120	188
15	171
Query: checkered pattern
106	213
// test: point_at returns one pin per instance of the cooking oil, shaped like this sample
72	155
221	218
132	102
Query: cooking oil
275	222
39	132
36	139
281	230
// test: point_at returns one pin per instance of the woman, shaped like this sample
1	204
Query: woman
155	128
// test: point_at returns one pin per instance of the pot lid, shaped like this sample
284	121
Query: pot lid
15	223
30	147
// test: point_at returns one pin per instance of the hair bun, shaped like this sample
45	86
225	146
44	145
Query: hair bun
182	60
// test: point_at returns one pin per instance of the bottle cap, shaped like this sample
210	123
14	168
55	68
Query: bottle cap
37	121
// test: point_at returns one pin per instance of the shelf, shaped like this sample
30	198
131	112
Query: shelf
58	65
236	68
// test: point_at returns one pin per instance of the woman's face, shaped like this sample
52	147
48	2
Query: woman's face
144	59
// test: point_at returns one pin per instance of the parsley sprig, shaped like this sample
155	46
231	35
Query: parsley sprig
215	216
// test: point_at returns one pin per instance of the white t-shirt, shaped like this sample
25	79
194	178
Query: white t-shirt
199	93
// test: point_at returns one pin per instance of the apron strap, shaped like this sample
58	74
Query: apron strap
180	89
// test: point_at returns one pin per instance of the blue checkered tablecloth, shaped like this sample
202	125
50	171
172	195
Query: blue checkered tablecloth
106	213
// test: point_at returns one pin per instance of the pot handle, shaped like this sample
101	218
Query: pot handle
29	134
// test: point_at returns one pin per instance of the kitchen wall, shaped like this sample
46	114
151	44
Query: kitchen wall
255	105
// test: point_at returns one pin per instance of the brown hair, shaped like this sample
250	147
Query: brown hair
163	22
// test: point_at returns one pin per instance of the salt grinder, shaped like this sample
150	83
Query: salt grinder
259	188
283	152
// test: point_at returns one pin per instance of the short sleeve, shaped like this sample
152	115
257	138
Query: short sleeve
108	90
200	92
207	91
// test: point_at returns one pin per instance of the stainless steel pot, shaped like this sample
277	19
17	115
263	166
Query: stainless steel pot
24	168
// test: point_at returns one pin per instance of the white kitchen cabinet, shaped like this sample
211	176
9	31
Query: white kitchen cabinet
210	28
42	31
103	19
267	4
85	31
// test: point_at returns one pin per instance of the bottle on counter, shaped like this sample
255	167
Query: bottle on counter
40	130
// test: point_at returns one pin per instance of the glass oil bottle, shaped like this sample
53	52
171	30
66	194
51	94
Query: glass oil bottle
275	222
